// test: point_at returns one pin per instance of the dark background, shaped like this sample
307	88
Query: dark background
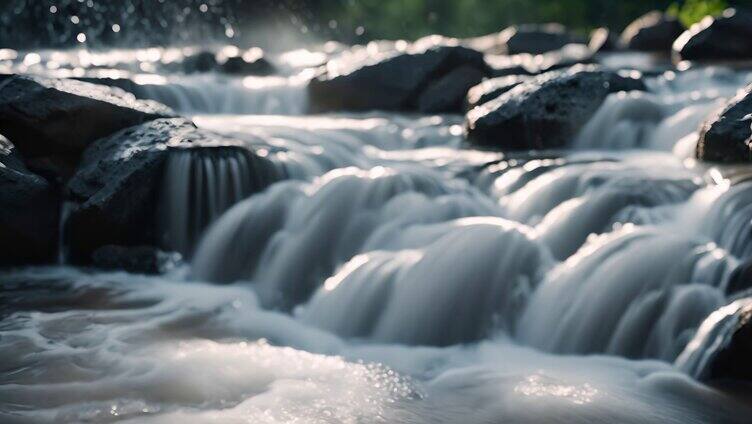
284	24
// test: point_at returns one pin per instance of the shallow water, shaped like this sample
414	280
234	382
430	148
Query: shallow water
397	275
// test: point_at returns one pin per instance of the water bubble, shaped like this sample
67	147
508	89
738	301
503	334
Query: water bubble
81	37
75	19
360	30
53	9
203	8
115	28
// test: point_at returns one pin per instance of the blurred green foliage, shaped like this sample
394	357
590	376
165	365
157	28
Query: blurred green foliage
692	11
462	18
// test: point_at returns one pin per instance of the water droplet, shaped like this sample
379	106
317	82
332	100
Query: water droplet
81	37
115	28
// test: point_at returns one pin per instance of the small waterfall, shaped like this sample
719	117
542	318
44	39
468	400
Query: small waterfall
621	291
200	184
298	233
216	94
475	275
62	250
672	110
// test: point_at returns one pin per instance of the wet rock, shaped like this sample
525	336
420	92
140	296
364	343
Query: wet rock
392	80
652	32
524	39
528	64
117	184
251	62
603	40
547	111
493	88
446	94
138	259
740	279
200	62
29	210
726	37
46	117
722	346
726	137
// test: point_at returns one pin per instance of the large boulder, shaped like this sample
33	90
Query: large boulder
493	88
534	39
117	184
395	80
546	112
726	137
446	94
29	211
652	32
726	37
524	39
534	64
48	117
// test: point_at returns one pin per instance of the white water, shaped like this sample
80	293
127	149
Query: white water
399	276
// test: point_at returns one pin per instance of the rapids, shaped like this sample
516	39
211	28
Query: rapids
397	275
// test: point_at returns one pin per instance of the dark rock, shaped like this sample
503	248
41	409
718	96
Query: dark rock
251	62
118	181
740	279
138	259
726	137
493	88
528	64
652	32
546	112
45	117
603	40
200	62
722	351
726	37
446	94
29	210
392	80
534	39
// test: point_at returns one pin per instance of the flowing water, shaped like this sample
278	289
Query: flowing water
397	275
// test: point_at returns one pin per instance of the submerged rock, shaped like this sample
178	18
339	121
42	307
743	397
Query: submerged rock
138	259
652	32
547	111
29	210
726	37
117	184
726	137
47	117
396	80
493	88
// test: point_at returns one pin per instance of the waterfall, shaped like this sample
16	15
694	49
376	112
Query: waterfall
673	109
301	232
195	94
201	184
474	275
